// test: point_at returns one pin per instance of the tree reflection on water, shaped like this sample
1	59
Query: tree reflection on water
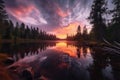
65	60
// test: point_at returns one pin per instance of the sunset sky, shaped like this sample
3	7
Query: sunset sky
60	17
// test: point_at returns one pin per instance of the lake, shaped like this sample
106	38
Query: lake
60	60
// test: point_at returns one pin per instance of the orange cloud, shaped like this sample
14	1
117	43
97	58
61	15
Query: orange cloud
63	31
71	29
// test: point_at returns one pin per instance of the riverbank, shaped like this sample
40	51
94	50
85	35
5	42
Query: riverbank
24	41
4	74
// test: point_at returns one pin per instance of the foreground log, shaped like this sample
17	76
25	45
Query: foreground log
112	48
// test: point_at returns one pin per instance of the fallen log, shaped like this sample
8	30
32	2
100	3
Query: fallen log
114	48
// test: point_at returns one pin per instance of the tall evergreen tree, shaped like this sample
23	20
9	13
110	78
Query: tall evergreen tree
85	33
114	29
11	27
16	31
6	31
78	35
97	18
22	30
3	14
27	33
3	17
116	12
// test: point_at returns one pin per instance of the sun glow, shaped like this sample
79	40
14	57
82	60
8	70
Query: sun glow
61	36
63	31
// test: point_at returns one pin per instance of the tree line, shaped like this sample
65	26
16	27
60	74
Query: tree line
105	23
79	36
18	31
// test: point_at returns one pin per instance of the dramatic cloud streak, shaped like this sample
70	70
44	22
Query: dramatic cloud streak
50	15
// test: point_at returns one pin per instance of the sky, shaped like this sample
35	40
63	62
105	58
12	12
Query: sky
60	17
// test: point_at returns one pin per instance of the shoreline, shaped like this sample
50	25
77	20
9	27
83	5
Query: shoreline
87	43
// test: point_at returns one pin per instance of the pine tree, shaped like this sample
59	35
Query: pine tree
16	32
114	29
78	35
27	33
3	14
3	18
11	27
22	30
116	12
79	30
6	32
85	33
97	18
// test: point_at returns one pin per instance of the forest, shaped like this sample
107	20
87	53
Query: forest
19	31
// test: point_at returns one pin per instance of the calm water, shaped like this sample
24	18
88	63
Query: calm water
62	60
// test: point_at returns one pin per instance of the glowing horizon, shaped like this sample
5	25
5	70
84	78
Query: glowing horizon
71	29
56	17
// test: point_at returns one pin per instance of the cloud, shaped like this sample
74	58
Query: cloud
28	14
49	15
62	13
62	32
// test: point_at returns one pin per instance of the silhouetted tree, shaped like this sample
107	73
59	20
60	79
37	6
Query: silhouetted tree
114	28
16	31
78	35
85	33
22	30
79	30
116	12
3	18
97	18
3	14
7	32
27	33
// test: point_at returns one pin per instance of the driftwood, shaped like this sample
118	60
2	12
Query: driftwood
118	44
113	48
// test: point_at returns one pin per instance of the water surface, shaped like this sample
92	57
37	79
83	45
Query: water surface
62	60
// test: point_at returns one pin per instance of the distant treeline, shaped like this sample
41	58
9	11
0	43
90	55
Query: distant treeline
80	36
17	31
21	31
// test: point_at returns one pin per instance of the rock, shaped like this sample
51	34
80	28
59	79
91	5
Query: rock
28	74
